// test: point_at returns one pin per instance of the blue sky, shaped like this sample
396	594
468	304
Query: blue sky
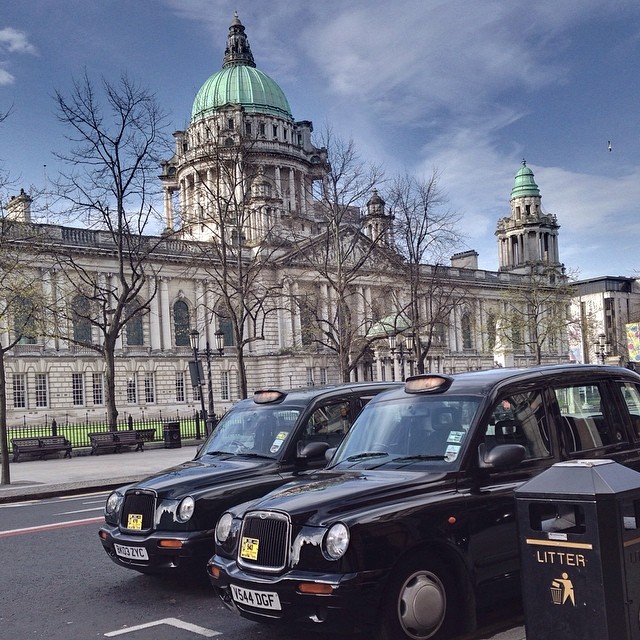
469	88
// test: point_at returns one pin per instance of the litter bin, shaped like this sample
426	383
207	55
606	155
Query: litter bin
172	437
579	535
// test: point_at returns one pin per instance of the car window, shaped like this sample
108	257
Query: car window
584	425
631	397
328	423
519	418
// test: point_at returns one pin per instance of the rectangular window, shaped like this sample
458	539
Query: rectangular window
97	388
149	388
19	391
323	375
275	130
230	123
310	381
132	392
180	388
224	385
197	392
262	129
42	390
77	389
248	128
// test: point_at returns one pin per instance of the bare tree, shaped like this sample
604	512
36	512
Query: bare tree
536	313
21	305
342	256
426	233
117	142
240	232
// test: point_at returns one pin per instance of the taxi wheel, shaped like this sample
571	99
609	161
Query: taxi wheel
419	602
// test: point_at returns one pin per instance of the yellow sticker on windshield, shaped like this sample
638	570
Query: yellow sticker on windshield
134	521
249	548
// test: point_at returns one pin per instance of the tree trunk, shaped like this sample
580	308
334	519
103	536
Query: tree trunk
110	388
4	440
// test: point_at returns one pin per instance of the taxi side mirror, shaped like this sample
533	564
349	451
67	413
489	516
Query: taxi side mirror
312	450
502	456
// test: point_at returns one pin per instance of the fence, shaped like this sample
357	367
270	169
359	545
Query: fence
77	432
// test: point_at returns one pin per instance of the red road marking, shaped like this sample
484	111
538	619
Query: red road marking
50	527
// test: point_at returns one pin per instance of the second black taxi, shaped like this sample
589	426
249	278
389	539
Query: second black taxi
165	523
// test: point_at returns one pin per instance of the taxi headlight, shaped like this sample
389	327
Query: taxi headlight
113	503
186	509
336	541
223	528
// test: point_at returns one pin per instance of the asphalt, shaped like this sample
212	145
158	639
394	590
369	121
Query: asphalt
82	473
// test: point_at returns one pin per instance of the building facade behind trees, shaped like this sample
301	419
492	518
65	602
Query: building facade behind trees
242	216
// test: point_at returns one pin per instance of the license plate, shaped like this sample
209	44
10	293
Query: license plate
131	553
259	599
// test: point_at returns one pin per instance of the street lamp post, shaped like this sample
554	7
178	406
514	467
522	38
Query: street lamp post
603	348
194	340
208	352
398	345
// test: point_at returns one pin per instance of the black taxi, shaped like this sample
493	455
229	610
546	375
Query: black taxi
165	522
410	530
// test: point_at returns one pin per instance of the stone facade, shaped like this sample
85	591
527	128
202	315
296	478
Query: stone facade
255	158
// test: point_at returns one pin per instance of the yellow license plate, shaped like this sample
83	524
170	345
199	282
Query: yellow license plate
134	521
249	548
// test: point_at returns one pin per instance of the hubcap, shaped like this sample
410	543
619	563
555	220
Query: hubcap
422	604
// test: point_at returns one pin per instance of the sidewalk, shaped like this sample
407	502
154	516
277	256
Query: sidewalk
35	479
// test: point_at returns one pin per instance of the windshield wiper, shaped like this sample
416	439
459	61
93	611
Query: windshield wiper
253	455
419	457
370	454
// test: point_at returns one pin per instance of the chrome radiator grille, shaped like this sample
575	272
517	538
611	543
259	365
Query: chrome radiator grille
138	511
264	541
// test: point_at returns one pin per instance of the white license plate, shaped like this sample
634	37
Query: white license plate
260	599
131	553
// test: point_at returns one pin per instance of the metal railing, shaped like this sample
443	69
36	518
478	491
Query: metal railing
191	427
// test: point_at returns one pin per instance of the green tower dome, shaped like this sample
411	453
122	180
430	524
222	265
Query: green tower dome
524	184
239	82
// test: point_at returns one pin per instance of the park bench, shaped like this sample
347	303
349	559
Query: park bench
40	446
147	435
115	440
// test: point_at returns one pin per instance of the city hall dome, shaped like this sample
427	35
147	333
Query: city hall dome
240	82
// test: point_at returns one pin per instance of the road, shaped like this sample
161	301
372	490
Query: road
57	583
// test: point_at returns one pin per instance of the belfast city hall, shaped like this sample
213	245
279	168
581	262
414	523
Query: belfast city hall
260	269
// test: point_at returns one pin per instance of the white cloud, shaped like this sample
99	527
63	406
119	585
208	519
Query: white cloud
15	41
5	77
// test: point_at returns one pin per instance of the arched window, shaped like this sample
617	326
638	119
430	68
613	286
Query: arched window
81	318
134	330
181	323
467	342
24	322
226	326
491	332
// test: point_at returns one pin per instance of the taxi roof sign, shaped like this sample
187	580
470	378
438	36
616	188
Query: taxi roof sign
427	383
266	396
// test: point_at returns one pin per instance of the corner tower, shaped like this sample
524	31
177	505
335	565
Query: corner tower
528	239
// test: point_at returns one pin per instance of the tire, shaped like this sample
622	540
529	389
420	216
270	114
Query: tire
420	602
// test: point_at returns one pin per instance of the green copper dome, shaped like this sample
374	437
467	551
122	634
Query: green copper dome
239	82
524	184
243	85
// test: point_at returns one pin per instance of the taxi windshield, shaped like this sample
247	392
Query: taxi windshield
417	430
253	431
